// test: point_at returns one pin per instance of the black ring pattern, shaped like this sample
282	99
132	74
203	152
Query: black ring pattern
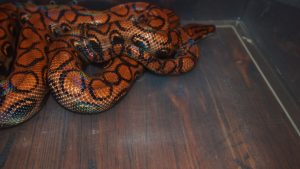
26	72
62	79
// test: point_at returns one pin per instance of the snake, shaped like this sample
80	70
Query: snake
48	47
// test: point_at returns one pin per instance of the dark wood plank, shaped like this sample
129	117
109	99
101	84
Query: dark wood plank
220	115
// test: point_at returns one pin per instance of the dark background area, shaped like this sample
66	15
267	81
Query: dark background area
276	28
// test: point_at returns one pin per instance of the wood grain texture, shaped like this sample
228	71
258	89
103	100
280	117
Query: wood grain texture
219	116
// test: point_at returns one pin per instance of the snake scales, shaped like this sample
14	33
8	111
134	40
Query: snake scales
47	47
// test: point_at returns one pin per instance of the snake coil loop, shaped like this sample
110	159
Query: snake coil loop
54	42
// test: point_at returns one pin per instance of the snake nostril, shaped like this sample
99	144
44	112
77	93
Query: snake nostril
118	40
164	53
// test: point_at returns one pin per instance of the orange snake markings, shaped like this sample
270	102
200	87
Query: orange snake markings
55	42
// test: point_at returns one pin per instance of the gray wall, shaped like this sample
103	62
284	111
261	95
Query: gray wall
276	27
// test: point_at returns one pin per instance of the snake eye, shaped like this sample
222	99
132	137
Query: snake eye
95	45
77	44
164	53
65	27
116	38
140	42
24	17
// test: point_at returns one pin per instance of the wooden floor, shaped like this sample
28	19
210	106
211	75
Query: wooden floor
219	116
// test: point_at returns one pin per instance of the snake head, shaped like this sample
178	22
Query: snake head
198	31
92	46
89	49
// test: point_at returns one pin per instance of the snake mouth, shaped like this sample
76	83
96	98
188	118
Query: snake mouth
85	52
90	49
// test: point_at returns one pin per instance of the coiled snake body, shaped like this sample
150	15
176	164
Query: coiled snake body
55	42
